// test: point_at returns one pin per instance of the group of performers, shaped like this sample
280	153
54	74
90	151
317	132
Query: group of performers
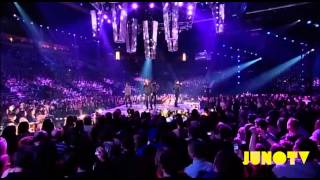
151	90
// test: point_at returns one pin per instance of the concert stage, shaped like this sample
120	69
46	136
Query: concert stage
160	107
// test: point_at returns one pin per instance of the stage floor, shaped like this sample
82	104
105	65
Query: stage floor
160	107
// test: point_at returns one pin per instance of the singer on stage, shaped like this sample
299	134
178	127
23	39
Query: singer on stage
177	89
147	92
127	95
154	91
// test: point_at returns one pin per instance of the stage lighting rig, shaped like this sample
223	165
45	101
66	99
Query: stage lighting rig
150	28
171	26
119	22
131	36
218	13
177	17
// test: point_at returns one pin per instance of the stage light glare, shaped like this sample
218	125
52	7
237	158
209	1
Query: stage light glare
189	13
180	4
31	22
184	57
105	16
109	21
268	33
316	25
312	50
134	5
277	35
118	55
309	22
10	39
190	7
285	38
292	41
14	15
41	25
166	5
48	27
151	5
99	12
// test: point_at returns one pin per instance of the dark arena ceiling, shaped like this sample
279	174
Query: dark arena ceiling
249	26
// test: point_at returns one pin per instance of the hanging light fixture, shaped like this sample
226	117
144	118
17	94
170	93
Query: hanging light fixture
171	26
131	36
119	22
150	34
218	13
93	22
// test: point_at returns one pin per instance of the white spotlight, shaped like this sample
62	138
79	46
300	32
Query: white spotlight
184	57
312	50
118	55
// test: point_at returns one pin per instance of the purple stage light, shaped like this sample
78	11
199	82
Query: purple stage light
99	12
109	21
151	5
189	13
190	7
105	16
134	5
180	4
166	5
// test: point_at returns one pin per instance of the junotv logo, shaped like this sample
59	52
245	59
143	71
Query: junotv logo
278	158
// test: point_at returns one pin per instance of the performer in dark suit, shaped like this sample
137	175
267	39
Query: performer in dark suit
154	92
147	92
127	95
177	89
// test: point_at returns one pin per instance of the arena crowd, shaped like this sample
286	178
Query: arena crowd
208	144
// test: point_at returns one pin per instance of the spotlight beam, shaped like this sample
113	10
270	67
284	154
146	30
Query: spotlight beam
278	7
147	69
232	71
32	30
267	76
